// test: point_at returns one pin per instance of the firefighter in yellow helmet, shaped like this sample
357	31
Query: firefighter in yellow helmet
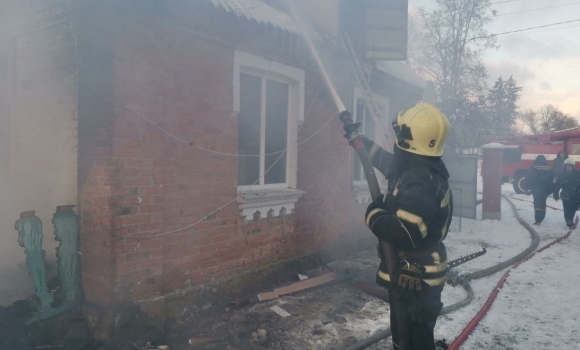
414	217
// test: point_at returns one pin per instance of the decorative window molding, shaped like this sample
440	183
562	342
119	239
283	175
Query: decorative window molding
360	187
361	192
269	87
261	204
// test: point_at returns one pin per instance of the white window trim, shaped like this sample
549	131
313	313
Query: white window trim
361	188
264	199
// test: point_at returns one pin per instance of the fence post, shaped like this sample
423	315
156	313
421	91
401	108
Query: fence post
492	180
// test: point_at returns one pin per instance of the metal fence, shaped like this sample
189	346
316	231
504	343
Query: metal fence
457	203
463	183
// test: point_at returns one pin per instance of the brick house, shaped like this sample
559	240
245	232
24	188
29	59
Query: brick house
208	147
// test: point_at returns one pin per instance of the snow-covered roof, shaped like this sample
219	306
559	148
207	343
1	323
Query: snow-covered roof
400	72
258	11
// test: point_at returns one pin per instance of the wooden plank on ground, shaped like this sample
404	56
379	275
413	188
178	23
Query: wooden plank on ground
306	284
268	296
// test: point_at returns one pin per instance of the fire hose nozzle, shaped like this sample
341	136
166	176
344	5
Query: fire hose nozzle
344	115
350	127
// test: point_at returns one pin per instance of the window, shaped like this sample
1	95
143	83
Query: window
363	114
263	131
575	149
269	105
512	155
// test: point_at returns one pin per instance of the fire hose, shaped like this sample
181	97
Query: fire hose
479	316
387	249
387	333
512	195
524	255
535	243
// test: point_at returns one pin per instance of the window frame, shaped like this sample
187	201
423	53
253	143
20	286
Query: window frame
379	99
295	78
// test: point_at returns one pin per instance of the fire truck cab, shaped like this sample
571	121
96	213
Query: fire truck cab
521	151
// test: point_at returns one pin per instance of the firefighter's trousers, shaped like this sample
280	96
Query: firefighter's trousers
570	207
540	206
424	307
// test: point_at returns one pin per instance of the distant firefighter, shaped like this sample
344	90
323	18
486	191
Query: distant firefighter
540	183
558	163
567	189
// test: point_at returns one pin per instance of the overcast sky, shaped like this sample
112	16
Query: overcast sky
544	61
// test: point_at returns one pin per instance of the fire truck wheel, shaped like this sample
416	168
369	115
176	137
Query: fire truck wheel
519	182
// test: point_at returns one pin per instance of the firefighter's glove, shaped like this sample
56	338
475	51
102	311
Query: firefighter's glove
556	197
528	192
408	280
352	128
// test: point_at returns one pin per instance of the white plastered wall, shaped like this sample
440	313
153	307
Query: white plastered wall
38	140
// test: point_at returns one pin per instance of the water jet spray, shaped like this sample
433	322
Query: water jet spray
356	141
337	100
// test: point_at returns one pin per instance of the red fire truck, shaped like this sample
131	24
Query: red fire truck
521	151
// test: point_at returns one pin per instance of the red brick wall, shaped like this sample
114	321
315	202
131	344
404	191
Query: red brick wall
143	183
96	167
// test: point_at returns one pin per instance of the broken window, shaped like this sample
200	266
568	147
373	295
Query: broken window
262	131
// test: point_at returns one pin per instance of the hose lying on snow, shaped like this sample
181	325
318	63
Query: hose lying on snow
490	300
535	243
474	275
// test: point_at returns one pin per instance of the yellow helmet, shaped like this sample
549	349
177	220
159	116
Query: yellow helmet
422	129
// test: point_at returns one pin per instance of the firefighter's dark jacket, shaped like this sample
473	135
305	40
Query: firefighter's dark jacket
540	177
569	183
416	213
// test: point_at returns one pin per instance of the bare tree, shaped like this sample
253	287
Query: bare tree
529	119
446	46
455	37
547	119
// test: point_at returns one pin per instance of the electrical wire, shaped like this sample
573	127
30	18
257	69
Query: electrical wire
526	29
217	152
212	151
192	143
541	31
491	3
538	9
223	206
239	195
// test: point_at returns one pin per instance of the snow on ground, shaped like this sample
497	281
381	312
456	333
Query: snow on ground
536	309
537	306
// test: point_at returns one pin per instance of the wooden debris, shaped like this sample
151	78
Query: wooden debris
287	290
202	341
268	296
306	284
277	309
